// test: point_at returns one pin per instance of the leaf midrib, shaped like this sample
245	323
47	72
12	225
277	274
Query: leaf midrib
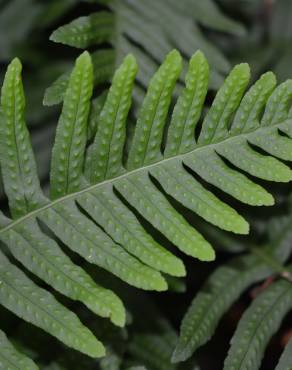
136	171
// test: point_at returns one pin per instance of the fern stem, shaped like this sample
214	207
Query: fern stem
273	263
147	168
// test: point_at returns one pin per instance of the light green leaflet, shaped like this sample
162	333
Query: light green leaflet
97	188
67	155
37	306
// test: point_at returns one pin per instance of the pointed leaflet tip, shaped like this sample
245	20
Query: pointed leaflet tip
174	57
269	76
242	69
242	227
16	63
130	62
84	57
199	58
209	255
267	200
161	284
94	348
14	66
180	354
198	54
178	269
130	58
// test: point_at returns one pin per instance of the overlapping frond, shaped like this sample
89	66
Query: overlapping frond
225	285
145	29
213	300
102	195
154	350
260	321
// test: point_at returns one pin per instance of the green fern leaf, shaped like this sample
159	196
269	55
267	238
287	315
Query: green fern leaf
86	31
188	109
21	296
97	189
256	327
226	102
20	178
11	359
285	362
27	243
145	148
44	258
213	300
67	155
107	149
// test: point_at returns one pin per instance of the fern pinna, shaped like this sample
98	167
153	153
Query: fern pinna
97	188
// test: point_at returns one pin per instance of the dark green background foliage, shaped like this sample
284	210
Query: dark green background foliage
173	307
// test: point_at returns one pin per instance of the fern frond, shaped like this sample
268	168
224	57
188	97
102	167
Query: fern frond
213	300
11	359
258	324
285	361
97	188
